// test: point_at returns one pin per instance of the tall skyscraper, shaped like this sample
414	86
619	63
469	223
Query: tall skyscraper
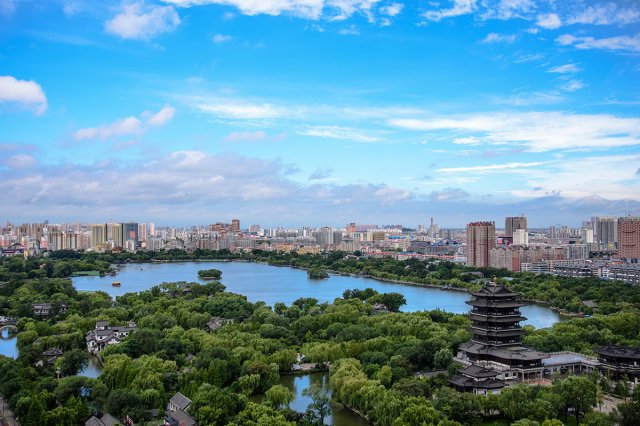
98	234
513	223
481	238
606	230
235	225
130	232
629	237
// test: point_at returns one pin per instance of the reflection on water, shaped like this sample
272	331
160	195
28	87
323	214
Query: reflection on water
93	369
273	284
8	343
339	416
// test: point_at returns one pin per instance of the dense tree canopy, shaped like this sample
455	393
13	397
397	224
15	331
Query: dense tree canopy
375	357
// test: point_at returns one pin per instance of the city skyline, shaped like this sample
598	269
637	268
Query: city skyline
319	112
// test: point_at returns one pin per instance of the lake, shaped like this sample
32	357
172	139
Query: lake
272	284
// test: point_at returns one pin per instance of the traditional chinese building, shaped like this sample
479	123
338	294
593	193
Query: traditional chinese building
496	343
620	361
104	335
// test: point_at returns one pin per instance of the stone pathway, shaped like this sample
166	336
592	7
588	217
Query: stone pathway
609	403
6	415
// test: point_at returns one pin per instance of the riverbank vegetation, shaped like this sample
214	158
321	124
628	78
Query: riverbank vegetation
376	358
568	294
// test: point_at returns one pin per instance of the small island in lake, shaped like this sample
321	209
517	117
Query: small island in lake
209	274
317	274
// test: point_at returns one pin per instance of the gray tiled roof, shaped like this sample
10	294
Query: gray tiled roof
180	401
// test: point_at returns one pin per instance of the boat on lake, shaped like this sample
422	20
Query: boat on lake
116	284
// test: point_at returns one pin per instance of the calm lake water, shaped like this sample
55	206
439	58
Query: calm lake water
339	416
8	343
273	284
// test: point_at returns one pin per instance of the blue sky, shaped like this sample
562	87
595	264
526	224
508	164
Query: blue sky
284	112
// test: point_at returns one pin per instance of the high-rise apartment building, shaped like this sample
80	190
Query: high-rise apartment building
511	224
606	230
351	228
481	238
629	237
235	225
116	234
520	237
98	234
143	231
324	236
56	240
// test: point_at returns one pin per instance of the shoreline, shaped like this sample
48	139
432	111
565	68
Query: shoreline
563	313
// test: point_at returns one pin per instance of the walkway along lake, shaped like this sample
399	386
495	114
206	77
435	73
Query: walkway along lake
272	284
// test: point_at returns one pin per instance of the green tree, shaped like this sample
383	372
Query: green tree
578	393
73	361
442	359
278	397
320	406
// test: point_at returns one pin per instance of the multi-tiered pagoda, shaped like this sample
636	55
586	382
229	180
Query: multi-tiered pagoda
496	345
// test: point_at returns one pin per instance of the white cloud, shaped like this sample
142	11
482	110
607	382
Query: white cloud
389	194
161	117
307	9
530	57
256	136
469	140
458	8
137	21
565	69
549	21
393	9
499	38
490	167
122	127
508	9
606	14
622	43
569	178
25	93
536	131
350	30
129	126
573	85
449	194
337	132
221	38
240	110
21	161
